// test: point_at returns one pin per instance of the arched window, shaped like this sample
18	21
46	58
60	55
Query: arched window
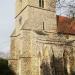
41	3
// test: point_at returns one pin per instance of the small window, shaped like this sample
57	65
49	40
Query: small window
41	3
20	20
43	26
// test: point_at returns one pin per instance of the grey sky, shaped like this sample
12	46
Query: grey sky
7	13
65	8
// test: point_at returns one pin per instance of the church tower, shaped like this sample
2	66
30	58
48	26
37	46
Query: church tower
35	39
33	18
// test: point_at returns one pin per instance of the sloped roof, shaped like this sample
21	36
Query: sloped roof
65	25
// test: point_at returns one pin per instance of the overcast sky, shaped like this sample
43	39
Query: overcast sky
7	13
65	7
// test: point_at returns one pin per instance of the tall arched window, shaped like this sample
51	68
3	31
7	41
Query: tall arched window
41	3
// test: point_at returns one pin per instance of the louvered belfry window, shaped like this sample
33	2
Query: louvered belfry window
41	3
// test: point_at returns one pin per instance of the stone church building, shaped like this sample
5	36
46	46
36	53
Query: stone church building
36	46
